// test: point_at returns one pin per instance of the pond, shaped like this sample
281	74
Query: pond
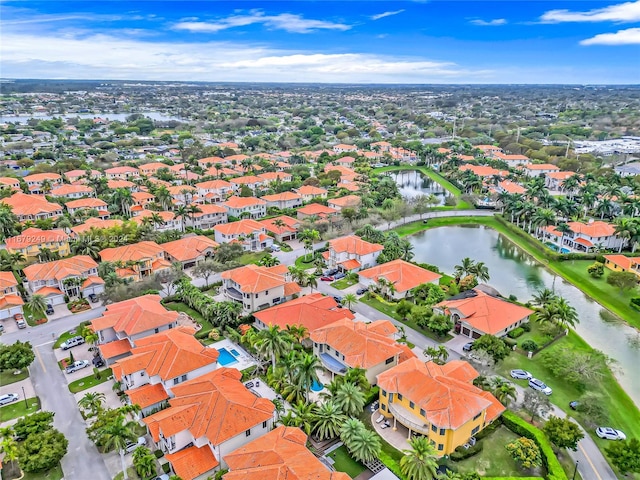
514	272
412	183
110	116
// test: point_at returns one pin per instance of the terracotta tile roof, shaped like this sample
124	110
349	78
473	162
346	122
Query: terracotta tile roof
76	174
215	405
115	348
312	311
212	160
189	248
343	170
114	184
91	281
41	177
65	190
445	393
147	395
77	266
352	187
166	216
134	252
350	264
541	166
486	313
168	354
118	170
560	175
213	185
583	241
347	201
137	315
621	261
344	146
192	462
152	167
359	342
311	190
347	159
511	187
279	455
7	280
35	236
482	170
10	301
272	176
403	275
10	181
208	209
142	197
291	225
96	223
255	278
241	202
241	227
593	229
23	205
317	209
87	203
291	288
281	197
247	180
354	245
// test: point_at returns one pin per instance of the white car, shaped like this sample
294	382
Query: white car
540	386
521	374
131	446
77	365
609	433
8	398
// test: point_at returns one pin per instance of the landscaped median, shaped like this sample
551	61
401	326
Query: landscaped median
19	409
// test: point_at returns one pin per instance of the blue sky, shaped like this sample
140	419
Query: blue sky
307	41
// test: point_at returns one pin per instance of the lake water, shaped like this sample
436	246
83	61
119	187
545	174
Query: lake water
110	116
412	183
513	272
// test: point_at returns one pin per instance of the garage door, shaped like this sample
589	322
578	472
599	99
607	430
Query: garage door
55	300
466	331
476	335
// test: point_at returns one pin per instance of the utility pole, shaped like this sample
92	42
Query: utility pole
575	471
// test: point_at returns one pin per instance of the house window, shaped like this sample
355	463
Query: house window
388	361
384	407
475	430
157	330
399	396
264	424
412	405
337	354
440	447
384	393
477	416
247	433
442	431
434	429
142	374
184	378
423	413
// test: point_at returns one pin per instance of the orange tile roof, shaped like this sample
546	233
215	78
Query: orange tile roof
10	301
272	176
312	311
621	261
347	201
360	343
115	348
77	266
279	455
352	187
64	190
215	405
23	205
317	209
87	203
403	275
189	248
311	190
291	224
35	236
445	393
134	252
114	184
344	146
339	168
208	209
486	313
281	197
255	278
41	177
10	181
96	223
481	170
593	229
241	202
560	175
7	280
91	281
350	264
136	315
213	185
291	288
541	166
118	170
147	395
354	245
511	187
241	227
168	354
75	174
247	180
192	462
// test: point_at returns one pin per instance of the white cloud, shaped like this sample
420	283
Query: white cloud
630	36
489	23
385	14
107	57
289	22
624	12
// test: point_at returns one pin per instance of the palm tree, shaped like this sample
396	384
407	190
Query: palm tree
350	399
268	260
481	271
37	304
8	445
274	342
306	372
604	208
86	245
310	281
144	462
349	300
350	430
328	420
365	447
117	434
625	228
92	402
565	314
544	297
182	212
299	332
563	228
297	274
304	415
504	391
543	217
464	268
420	462
308	237
192	210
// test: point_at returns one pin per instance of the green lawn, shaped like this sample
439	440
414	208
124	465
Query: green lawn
494	460
18	409
344	283
89	381
344	462
7	377
301	262
53	474
67	335
250	257
31	317
131	472
181	307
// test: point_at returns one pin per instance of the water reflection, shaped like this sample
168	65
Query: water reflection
412	183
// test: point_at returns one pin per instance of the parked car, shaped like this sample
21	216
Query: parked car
19	318
338	299
362	291
131	446
468	347
93	298
609	433
8	398
331	273
574	405
540	386
72	342
1	328
521	374
327	278
77	365
164	476
275	248
49	310
339	275
97	362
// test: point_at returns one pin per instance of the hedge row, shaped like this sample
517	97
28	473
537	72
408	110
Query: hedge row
392	465
524	429
372	395
461	453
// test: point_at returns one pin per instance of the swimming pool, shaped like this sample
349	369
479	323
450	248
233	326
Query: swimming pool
316	387
226	358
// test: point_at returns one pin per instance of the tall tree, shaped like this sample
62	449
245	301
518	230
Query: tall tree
420	462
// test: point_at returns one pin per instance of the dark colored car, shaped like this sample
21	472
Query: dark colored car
49	310
339	275
468	347
98	362
93	298
337	299
362	291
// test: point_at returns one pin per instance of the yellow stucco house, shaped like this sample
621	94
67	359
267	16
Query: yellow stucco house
32	240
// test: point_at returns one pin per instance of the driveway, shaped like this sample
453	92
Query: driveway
111	398
59	311
10	326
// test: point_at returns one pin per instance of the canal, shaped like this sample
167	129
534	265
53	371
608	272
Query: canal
514	272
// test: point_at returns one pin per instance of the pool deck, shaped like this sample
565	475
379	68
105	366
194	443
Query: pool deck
244	360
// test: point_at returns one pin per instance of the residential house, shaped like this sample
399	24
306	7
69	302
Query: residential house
126	184
316	210
257	287
37	181
209	417
282	228
32	207
80	176
273	177
141	201
620	263
211	161
345	162
511	187
122	173
251	234
483	171
347	344
437	401
583	237
309	193
245	207
539	169
169	220
283	200
32	240
71	191
182	194
95	224
351	253
214	191
342	148
488	150
511	160
138	260
349	201
159	362
190	251
124	323
87	205
209	216
477	313
279	455
10	300
9	182
150	169
74	277
404	277
250	181
554	181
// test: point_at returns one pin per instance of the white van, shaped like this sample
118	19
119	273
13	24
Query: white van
72	342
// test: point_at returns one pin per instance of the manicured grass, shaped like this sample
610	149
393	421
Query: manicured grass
31	318
7	377
89	381
250	257
344	283
181	307
67	335
301	262
131	472
52	474
623	414
493	460
344	462
18	409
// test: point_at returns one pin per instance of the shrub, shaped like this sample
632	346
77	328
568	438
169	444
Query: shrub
462	453
371	395
529	346
635	303
526	327
510	342
516	332
391	464
596	270
513	298
203	333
